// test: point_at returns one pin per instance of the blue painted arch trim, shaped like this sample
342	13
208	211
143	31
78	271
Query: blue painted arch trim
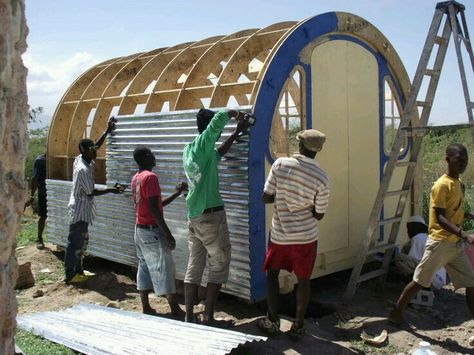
285	59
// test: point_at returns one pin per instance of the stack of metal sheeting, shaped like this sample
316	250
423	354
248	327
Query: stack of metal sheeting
93	329
166	135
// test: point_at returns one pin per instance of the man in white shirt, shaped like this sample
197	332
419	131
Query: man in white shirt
81	205
406	263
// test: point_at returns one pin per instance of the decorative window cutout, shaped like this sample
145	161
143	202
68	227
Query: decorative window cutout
90	118
205	101
165	107
243	79
213	78
232	102
182	78
150	87
288	118
139	109
255	66
391	117
125	89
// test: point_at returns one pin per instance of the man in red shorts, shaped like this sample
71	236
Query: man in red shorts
299	189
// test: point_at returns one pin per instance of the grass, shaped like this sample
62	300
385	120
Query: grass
364	348
28	342
34	345
28	232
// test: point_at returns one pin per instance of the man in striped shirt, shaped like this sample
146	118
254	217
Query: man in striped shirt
299	189
82	205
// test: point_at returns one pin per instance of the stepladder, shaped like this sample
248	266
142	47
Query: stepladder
448	22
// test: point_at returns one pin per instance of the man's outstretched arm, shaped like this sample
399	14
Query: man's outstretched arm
110	128
241	126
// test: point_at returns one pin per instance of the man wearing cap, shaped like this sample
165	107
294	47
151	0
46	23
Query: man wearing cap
299	190
406	262
208	233
82	205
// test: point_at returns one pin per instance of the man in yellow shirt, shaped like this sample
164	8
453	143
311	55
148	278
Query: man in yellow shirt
446	242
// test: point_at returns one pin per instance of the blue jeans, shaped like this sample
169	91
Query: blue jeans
77	243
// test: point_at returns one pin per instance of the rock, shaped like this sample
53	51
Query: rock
38	293
25	276
113	304
450	342
471	341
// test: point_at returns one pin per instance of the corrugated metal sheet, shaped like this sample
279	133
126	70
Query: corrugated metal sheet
93	329
111	234
165	135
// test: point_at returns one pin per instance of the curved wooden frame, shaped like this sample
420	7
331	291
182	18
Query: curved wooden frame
214	72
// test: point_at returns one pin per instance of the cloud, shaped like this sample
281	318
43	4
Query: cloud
48	79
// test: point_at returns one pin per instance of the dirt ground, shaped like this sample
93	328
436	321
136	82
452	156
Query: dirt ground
332	328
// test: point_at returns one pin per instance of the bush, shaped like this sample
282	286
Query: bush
434	165
37	139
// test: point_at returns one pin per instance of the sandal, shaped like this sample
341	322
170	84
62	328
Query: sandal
216	323
295	332
268	326
400	323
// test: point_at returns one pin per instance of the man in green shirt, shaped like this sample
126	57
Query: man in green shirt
208	232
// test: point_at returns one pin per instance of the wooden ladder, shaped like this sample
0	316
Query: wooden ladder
450	12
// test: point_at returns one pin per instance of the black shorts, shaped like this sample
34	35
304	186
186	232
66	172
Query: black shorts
42	209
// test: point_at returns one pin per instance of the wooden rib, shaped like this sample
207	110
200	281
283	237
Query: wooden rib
252	47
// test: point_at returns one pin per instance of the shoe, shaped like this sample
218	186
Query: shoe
268	326
39	245
295	332
78	278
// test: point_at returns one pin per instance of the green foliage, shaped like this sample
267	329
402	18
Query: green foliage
364	348
32	344
36	146
28	232
434	154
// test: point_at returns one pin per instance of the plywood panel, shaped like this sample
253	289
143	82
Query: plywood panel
330	115
363	122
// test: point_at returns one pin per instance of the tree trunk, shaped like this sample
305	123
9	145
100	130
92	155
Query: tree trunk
13	121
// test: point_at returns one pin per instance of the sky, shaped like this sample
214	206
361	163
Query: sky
67	37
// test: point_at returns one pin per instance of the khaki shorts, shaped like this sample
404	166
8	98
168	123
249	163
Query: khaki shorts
208	239
452	256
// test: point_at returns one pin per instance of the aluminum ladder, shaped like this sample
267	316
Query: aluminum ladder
452	13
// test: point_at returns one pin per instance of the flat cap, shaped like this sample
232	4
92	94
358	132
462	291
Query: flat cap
312	139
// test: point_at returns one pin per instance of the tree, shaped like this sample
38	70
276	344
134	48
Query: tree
36	146
34	113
